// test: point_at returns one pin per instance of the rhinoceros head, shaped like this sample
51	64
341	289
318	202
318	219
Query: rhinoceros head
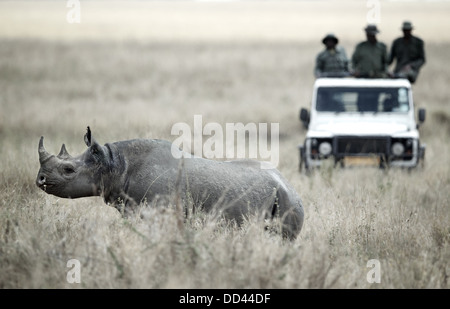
71	177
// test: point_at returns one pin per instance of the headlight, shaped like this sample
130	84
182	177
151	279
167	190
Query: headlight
325	148
409	142
397	149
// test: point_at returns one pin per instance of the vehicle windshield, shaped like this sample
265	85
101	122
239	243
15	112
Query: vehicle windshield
357	99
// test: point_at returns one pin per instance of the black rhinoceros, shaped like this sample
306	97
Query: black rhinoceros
131	172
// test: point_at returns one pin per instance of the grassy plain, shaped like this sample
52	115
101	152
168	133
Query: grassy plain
55	82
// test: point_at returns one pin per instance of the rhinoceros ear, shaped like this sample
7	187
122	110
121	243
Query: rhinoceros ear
88	137
96	148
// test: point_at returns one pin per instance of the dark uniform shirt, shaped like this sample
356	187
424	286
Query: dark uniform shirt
370	60
330	62
407	52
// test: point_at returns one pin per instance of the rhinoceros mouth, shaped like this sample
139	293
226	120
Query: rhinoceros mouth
44	187
43	184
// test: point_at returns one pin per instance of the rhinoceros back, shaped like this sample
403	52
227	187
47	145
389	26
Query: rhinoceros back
235	187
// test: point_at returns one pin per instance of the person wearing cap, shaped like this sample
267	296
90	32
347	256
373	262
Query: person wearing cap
332	61
409	53
369	60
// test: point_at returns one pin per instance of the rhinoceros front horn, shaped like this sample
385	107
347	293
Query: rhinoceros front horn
63	154
43	154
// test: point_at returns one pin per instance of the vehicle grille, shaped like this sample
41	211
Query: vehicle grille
362	146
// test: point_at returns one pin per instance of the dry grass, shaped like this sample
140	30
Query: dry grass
130	89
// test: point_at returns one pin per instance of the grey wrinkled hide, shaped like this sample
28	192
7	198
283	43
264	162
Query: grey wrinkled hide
136	171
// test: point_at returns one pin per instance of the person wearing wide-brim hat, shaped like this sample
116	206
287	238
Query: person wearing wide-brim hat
330	36
407	25
333	61
370	57
409	53
371	30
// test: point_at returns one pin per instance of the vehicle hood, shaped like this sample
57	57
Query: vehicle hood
371	126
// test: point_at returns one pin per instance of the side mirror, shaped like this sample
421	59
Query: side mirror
304	117
421	115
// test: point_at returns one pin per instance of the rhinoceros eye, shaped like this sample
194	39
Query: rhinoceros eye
68	170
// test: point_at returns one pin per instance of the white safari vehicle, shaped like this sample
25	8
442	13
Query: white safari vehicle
362	122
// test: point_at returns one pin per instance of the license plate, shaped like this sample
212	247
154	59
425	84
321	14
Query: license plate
362	161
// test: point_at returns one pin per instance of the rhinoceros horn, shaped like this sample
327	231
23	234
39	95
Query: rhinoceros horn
43	154
63	154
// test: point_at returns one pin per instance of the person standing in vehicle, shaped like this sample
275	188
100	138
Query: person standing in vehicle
409	53
333	61
370	58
